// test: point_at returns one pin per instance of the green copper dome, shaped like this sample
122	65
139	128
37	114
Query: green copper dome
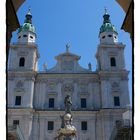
107	26
27	26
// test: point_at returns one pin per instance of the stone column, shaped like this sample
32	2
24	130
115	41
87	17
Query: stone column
92	128
59	96
106	126
42	128
28	99
30	126
90	97
75	94
105	92
35	134
42	95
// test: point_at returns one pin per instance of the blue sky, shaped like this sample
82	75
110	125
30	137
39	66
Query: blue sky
77	22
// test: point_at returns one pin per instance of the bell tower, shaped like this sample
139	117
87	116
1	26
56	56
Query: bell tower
23	65
22	69
24	53
26	33
110	54
111	67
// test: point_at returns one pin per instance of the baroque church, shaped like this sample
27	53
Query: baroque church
36	99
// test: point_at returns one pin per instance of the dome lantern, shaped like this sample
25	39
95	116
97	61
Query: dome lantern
108	33
26	33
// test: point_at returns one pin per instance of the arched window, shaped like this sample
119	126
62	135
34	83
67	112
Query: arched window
109	35
112	61
103	37
22	62
31	37
24	35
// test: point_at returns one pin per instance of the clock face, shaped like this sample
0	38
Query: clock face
67	65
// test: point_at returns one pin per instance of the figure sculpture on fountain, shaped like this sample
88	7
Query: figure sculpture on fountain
67	130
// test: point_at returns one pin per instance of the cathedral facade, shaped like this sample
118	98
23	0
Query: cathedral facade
36	99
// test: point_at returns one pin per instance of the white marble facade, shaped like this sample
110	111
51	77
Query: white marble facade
36	98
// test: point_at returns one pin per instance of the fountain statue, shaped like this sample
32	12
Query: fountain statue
67	130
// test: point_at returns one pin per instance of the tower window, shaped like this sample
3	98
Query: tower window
51	102
103	37
84	125
22	62
116	101
18	100
50	125
112	61
31	37
83	103
24	35
15	122
109	35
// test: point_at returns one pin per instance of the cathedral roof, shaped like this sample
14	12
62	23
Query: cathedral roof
107	25
27	26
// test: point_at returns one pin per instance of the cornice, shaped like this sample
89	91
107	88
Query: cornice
20	45
113	73
117	45
26	75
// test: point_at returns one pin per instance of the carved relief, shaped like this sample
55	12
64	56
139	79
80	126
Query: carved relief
67	65
68	88
115	87
23	53
83	87
51	86
19	86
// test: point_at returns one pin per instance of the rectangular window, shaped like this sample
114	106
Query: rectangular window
18	100
15	122
50	125
113	62
116	101
84	125
83	103
22	62
51	102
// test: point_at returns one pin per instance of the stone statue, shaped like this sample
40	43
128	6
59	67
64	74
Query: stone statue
89	66
67	130
45	66
68	104
67	47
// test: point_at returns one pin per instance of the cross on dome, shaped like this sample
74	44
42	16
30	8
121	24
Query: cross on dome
106	11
